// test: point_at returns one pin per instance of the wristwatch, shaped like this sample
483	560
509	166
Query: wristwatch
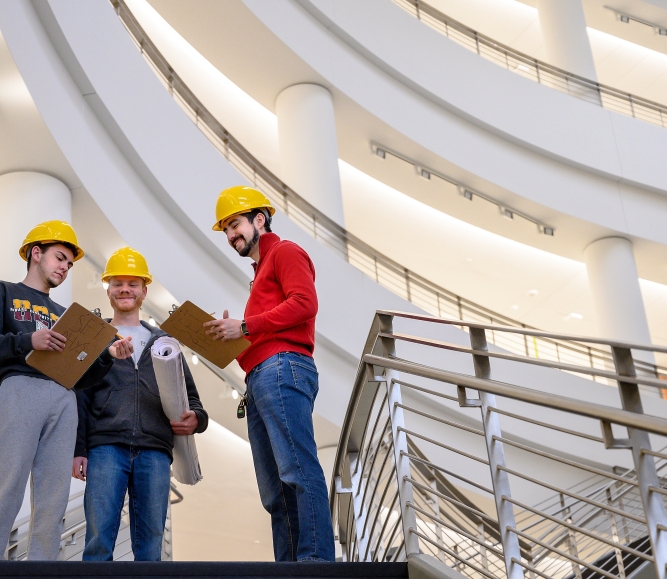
244	328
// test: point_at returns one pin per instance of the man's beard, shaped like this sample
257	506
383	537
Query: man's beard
125	307
249	245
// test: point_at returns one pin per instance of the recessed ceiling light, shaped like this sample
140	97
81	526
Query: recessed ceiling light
380	153
468	195
625	19
573	316
532	293
508	213
426	174
514	307
549	231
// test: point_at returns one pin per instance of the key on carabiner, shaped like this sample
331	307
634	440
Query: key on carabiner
240	411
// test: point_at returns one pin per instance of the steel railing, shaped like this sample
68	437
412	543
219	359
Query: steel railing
536	70
423	465
72	538
385	271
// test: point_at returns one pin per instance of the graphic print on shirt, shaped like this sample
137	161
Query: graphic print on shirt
25	312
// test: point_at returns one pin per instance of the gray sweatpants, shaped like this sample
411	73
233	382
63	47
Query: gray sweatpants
38	423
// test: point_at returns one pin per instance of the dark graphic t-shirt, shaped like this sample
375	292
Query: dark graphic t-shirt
23	310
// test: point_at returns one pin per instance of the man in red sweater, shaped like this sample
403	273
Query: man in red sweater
281	377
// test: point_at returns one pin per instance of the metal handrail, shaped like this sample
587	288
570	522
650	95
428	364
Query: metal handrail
384	270
74	530
591	91
606	525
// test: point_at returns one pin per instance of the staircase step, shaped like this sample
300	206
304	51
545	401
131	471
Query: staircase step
203	569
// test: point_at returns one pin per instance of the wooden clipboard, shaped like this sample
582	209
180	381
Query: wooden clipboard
186	324
87	337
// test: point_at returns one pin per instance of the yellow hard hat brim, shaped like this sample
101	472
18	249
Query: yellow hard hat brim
218	225
148	278
23	251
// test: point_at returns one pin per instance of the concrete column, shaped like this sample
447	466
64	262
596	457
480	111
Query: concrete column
565	38
308	147
614	283
27	199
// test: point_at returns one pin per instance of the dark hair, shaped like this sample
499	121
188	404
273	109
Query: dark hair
45	246
255	212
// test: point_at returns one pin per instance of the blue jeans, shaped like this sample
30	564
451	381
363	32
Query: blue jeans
281	392
114	470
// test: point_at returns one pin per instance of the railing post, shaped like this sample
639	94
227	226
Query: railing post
400	441
357	501
647	475
434	501
496	454
571	539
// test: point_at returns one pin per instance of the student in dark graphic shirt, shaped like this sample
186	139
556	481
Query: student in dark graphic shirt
39	416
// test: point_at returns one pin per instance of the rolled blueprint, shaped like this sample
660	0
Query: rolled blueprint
166	354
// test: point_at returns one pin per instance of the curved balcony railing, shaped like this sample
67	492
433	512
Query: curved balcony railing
423	465
72	538
385	271
528	67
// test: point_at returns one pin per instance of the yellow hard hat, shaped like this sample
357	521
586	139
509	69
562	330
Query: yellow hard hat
127	261
239	199
51	232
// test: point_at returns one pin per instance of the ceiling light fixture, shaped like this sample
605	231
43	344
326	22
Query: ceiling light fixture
625	18
105	285
235	394
573	316
152	322
195	359
429	174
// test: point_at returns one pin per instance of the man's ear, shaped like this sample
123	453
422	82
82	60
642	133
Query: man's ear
260	220
35	252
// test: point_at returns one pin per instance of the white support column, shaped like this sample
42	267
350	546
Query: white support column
309	148
566	41
614	283
28	198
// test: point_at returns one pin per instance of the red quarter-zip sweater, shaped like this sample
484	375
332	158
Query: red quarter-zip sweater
280	313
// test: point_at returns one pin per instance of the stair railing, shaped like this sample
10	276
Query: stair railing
72	539
423	464
385	271
591	91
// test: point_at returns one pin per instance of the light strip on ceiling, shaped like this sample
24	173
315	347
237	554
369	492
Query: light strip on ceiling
428	174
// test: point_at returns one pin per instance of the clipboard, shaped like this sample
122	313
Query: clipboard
186	324
87	337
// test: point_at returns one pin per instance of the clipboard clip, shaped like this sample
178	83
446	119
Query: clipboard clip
174	307
97	312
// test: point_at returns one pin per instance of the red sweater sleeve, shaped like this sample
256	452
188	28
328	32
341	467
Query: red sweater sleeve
296	275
